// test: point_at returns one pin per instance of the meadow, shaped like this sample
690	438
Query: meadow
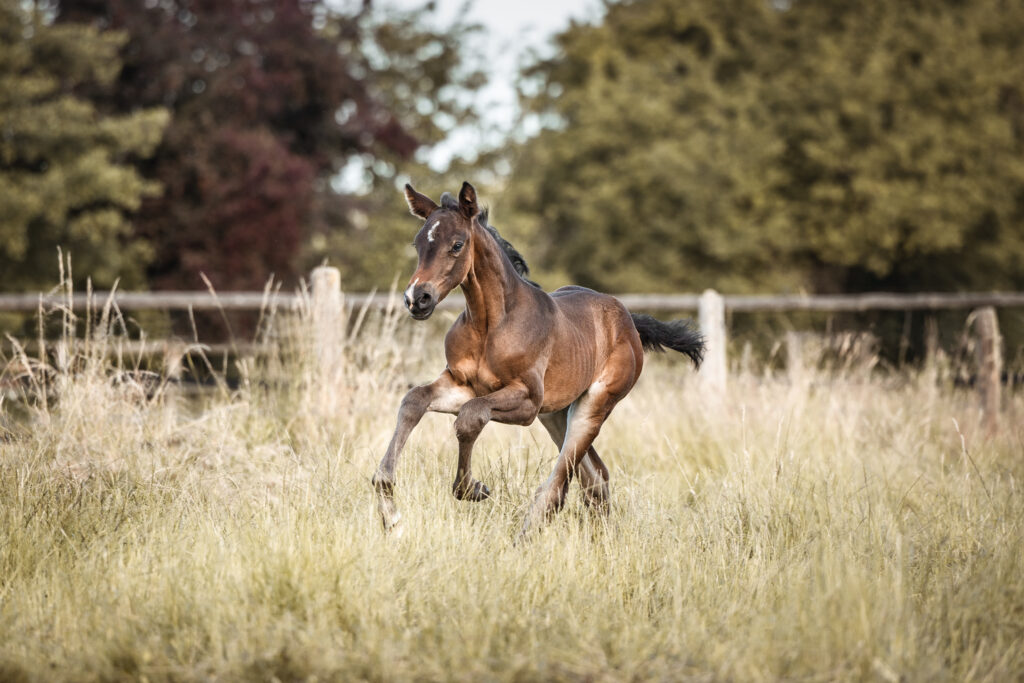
845	522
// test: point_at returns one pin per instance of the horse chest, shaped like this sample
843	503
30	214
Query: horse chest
474	360
482	366
476	374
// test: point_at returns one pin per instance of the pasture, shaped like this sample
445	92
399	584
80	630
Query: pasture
845	522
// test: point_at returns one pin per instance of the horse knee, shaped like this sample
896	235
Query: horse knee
471	421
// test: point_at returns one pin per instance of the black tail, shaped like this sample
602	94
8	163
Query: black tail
677	335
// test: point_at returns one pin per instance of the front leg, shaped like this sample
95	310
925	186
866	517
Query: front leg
512	404
443	395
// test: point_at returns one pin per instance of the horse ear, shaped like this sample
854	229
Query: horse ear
420	205
467	201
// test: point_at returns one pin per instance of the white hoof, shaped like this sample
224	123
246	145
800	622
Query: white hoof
394	527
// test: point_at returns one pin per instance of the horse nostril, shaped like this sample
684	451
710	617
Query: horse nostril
423	299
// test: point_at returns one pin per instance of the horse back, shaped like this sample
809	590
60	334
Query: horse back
599	312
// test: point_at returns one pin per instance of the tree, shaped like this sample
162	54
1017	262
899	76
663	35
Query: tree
905	147
754	146
270	100
67	171
423	74
656	166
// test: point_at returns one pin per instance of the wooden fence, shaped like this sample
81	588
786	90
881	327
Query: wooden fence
325	301
249	301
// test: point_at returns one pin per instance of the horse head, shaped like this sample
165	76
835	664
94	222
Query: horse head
444	246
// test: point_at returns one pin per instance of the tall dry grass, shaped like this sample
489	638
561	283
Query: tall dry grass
826	524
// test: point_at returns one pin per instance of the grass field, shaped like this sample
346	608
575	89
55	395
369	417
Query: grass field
835	524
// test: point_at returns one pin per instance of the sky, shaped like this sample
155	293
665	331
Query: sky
512	28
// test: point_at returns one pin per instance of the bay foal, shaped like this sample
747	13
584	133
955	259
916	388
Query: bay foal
517	354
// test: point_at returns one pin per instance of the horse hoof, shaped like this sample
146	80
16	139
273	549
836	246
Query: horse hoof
526	533
393	526
480	492
597	502
474	494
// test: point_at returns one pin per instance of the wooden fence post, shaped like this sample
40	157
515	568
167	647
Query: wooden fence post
990	364
711	317
794	356
326	301
327	312
174	357
932	348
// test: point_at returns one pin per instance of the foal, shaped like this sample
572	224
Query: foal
516	354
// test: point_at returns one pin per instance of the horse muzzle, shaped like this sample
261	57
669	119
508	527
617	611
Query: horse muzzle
421	300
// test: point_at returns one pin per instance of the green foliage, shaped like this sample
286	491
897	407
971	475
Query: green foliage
907	166
745	147
66	173
270	100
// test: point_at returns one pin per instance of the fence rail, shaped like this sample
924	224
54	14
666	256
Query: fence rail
249	301
325	301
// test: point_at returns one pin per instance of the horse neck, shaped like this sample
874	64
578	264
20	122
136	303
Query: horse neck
491	281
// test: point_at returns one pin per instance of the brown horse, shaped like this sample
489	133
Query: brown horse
517	353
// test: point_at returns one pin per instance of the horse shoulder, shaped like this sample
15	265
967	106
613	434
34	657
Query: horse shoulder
462	347
520	344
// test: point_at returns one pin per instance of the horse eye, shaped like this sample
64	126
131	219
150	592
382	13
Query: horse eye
457	247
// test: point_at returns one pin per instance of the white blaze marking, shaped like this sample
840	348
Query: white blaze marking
408	291
430	233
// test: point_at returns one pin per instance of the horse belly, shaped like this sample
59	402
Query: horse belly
585	338
570	372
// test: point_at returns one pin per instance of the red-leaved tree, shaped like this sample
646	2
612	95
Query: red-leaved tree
269	98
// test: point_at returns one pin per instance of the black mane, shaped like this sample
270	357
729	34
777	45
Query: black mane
518	262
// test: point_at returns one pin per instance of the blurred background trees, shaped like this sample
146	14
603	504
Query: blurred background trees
755	146
746	145
270	99
68	173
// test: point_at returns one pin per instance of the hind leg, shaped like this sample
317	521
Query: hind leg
593	476
555	423
591	471
583	421
585	417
